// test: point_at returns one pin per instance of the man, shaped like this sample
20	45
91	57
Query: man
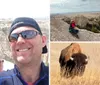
27	45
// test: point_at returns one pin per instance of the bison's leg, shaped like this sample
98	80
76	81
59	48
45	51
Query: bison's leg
69	68
82	69
62	65
62	71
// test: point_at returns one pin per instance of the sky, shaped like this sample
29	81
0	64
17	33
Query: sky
58	1
24	8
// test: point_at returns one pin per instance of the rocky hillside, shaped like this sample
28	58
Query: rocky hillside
87	24
4	44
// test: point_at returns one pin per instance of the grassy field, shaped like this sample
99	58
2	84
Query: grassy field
92	72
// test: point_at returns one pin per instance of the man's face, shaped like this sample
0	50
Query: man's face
27	50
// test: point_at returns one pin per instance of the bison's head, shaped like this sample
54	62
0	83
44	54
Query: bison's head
79	58
78	61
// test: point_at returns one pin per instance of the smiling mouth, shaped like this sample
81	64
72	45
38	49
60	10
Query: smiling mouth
22	50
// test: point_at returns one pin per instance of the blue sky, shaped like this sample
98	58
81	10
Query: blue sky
29	8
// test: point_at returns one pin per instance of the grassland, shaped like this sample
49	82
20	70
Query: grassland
92	72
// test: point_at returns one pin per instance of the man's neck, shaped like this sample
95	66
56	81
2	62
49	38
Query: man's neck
30	73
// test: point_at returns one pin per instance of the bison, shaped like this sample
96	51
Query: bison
72	61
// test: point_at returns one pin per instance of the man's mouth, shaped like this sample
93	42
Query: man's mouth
22	50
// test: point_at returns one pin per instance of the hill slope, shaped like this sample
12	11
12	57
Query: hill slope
59	31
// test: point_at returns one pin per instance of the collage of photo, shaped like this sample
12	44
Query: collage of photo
50	42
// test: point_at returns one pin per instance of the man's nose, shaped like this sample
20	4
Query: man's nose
20	39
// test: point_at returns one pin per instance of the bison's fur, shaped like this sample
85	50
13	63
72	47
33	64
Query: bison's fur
73	63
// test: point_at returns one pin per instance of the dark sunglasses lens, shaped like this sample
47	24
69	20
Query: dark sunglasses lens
29	34
13	37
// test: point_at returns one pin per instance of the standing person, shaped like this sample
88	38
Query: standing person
27	45
72	27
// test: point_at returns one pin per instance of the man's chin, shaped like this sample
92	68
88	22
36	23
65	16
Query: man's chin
22	59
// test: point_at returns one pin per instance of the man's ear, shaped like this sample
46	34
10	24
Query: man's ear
44	39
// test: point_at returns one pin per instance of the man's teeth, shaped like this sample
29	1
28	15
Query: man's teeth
23	50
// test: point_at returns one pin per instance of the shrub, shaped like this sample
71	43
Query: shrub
95	30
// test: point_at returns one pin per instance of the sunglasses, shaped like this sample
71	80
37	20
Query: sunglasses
28	34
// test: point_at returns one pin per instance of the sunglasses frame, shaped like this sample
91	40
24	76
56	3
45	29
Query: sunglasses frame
11	39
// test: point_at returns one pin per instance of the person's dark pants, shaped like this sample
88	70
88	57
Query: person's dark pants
74	31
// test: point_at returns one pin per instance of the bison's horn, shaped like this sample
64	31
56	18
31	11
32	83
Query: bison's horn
71	58
86	60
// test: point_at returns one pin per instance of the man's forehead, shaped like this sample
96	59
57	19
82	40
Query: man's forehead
23	28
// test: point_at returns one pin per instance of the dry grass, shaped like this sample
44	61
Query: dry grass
89	78
92	73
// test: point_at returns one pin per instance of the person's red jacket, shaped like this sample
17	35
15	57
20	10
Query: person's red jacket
73	25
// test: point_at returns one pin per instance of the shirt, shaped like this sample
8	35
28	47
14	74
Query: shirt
13	77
